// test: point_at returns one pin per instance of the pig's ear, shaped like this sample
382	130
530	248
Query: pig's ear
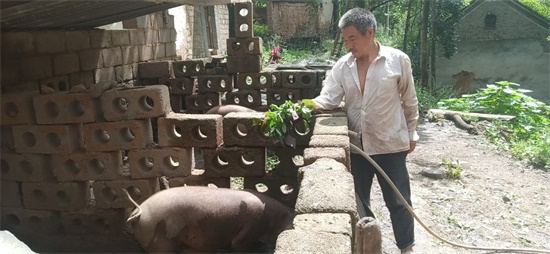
290	141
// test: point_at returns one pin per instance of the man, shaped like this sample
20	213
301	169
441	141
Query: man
376	84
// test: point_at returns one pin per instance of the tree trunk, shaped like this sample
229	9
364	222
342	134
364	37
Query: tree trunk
424	57
368	237
433	44
407	24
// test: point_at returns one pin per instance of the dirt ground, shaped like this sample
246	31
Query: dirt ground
498	202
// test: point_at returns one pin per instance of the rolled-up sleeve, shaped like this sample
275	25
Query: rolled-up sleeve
333	91
408	98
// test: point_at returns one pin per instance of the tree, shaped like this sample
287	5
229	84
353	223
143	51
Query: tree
424	44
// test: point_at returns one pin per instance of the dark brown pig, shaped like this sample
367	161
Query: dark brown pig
205	219
226	109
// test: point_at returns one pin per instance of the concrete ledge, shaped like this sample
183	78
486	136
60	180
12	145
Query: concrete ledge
336	153
303	241
336	223
331	126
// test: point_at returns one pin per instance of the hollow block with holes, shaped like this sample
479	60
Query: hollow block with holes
26	167
167	161
202	101
46	139
135	103
321	75
10	194
6	138
336	153
276	81
69	196
190	130
244	46
162	69
22	221
248	64
180	86
17	108
109	194
284	189
100	222
234	161
239	130
177	102
61	108
215	83
243	20
279	96
247	98
188	68
341	141
289	160
121	135
299	78
87	166
256	81
197	178
310	93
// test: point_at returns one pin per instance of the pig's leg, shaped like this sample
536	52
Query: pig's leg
160	243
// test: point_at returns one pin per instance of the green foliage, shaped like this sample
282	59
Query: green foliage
280	120
526	136
261	30
453	170
272	162
542	7
428	99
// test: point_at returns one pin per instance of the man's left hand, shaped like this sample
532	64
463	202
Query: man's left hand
412	146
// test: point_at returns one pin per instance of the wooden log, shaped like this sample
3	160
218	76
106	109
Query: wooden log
478	115
368	237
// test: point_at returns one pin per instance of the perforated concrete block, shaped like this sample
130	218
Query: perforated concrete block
135	103
239	129
25	222
290	160
6	139
121	135
244	46
17	108
10	194
188	68
234	161
299	78
26	167
69	196
155	69
167	161
61	108
190	130
283	189
202	101
215	83
55	84
243	20
248	64
47	139
109	194
197	178
310	93
246	98
256	81
87	166
177	102
180	86
279	96
108	222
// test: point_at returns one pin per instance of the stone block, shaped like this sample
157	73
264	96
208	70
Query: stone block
177	102
69	196
62	108
246	98
130	55
279	96
108	222
215	83
100	38
145	53
159	51
255	81
121	135
188	68
244	20
244	46
150	36
167	161
124	73
247	64
197	178
47	139
87	166
240	129
54	85
283	189
77	40
85	78
135	103
109	194
35	68
48	42
336	223
335	194
10	193
135	37
6	139
308	241
202	101
336	153
16	44
26	167
111	57
104	74
190	130
331	126
299	78
17	108
120	38
183	86
26	222
90	59
170	49
234	161
155	69
65	64
341	141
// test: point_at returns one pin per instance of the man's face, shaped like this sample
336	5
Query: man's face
356	42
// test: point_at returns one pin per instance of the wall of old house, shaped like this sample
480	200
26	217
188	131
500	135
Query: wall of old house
299	18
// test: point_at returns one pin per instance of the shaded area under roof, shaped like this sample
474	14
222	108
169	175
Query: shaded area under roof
63	14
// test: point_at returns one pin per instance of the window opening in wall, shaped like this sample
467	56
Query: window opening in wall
490	21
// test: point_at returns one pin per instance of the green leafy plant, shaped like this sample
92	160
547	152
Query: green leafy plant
272	162
281	119
453	169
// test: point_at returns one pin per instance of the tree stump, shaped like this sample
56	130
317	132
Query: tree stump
368	237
